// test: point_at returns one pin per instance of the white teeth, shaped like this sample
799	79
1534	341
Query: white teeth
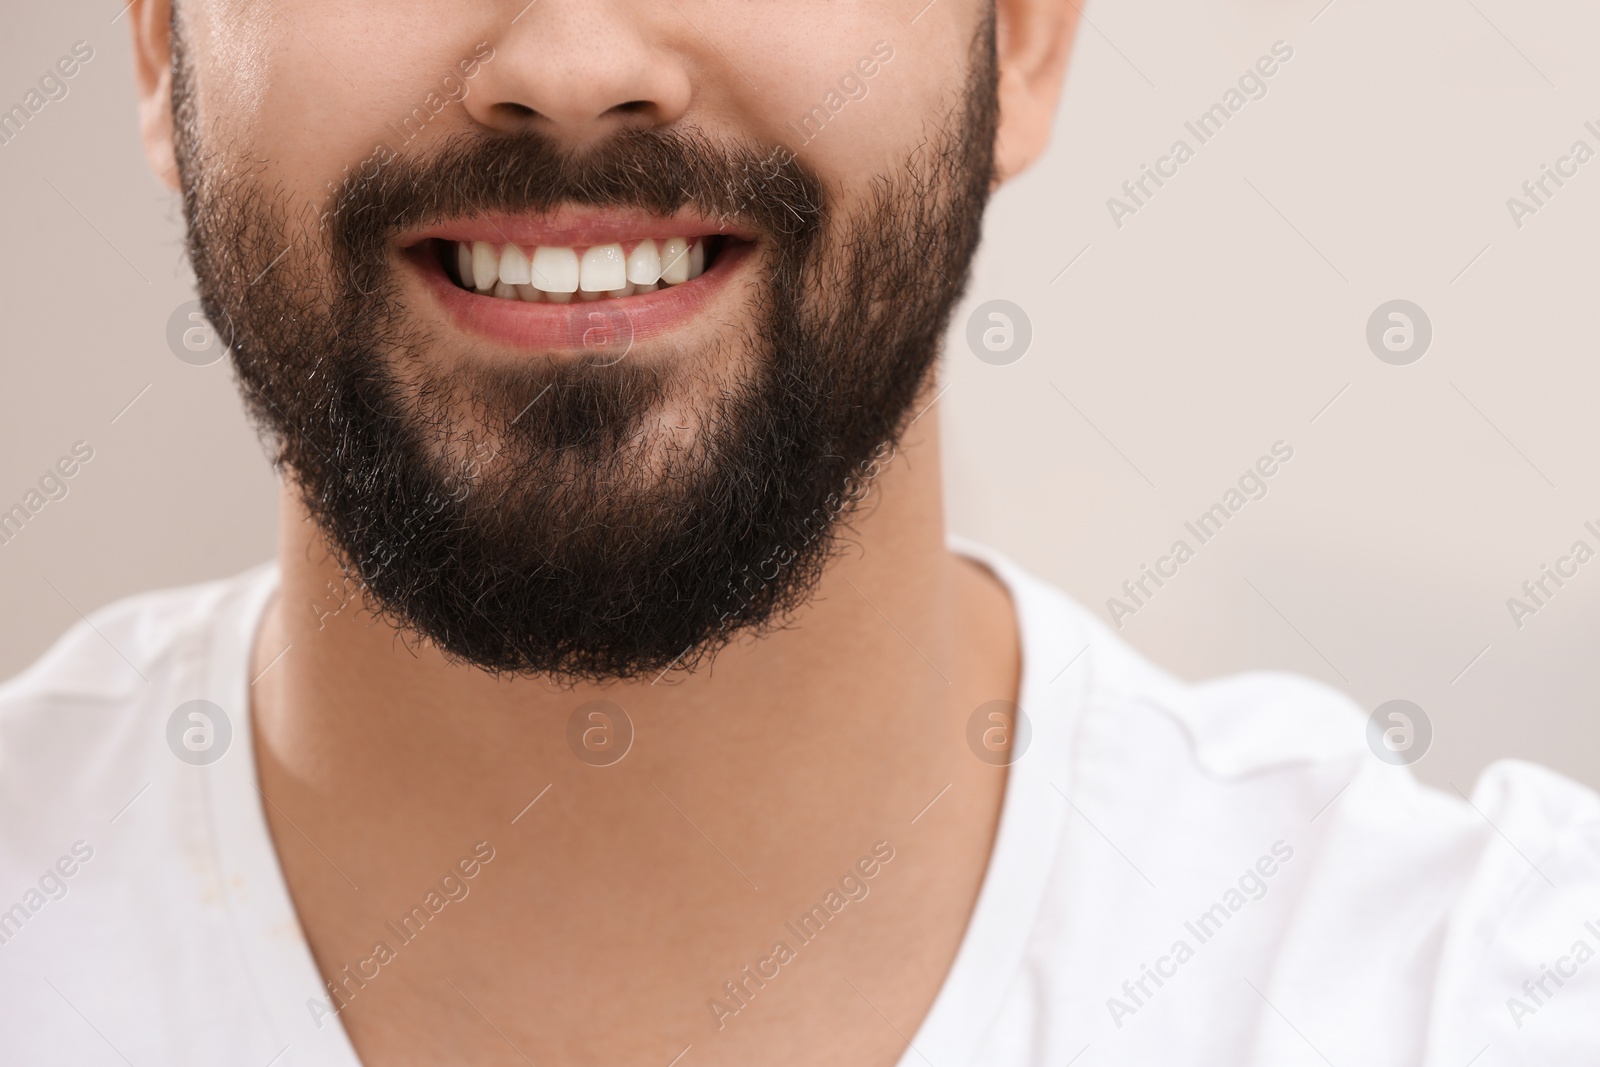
485	265
560	275
604	269
555	270
514	266
644	263
675	261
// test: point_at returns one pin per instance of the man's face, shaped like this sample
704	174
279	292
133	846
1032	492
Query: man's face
581	325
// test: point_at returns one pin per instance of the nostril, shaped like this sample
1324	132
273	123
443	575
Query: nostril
516	111
633	107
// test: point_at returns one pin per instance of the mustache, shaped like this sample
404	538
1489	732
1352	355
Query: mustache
659	170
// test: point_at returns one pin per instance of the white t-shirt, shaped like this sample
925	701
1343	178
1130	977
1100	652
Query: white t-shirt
1217	874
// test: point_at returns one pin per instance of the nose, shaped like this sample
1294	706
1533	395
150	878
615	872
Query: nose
578	70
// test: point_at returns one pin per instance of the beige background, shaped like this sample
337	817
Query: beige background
1222	317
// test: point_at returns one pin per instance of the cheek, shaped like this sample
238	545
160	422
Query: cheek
797	54
233	49
313	87
874	134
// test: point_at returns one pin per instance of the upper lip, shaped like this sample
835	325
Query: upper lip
574	227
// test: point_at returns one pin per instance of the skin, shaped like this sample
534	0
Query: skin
608	917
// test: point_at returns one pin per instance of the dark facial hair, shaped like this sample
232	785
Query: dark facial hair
532	518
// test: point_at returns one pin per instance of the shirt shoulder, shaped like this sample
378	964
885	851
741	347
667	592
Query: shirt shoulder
90	714
1398	920
136	868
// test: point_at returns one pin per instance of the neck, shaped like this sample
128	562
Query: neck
837	726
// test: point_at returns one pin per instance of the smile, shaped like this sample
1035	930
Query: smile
539	282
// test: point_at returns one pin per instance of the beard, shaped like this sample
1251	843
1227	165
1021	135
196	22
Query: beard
584	517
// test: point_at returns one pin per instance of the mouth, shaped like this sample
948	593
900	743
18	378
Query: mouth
546	283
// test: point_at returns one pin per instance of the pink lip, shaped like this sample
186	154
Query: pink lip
604	327
574	228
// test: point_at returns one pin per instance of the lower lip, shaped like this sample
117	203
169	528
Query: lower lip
593	325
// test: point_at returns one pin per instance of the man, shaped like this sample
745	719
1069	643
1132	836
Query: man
616	696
